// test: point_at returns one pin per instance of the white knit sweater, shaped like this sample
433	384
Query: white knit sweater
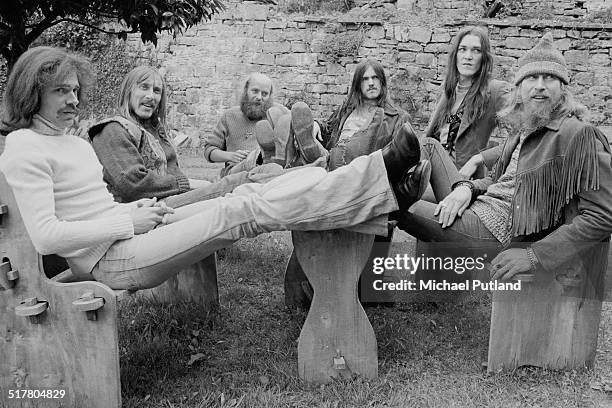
64	203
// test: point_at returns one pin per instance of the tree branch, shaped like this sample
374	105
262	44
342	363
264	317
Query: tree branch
40	28
70	20
94	10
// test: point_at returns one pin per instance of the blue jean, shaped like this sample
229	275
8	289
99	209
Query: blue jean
304	199
444	173
420	222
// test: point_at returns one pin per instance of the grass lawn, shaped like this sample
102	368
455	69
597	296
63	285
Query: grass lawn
245	355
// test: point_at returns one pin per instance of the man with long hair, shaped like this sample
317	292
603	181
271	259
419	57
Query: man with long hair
138	157
58	186
548	202
367	119
466	112
233	140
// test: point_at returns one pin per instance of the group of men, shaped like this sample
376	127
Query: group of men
366	121
551	187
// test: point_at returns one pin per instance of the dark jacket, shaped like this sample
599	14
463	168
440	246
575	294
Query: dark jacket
473	137
563	197
387	121
136	163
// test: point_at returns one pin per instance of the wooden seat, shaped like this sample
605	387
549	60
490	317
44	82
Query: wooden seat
553	321
337	338
45	340
61	333
299	292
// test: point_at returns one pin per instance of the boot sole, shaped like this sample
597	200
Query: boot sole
301	124
265	138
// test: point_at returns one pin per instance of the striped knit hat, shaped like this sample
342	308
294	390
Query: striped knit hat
544	58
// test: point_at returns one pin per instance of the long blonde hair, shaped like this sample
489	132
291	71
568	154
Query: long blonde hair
130	82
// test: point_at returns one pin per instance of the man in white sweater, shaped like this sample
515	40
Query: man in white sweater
57	182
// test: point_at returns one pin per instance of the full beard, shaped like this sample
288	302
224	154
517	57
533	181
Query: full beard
255	110
537	115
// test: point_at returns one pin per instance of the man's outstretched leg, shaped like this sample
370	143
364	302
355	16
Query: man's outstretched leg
305	199
227	184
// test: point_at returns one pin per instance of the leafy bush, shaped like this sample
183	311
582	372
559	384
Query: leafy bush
314	6
343	44
508	8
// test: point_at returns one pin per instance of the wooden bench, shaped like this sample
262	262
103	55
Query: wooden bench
337	339
60	334
299	292
553	321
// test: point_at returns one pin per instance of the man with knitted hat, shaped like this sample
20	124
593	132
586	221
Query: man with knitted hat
548	202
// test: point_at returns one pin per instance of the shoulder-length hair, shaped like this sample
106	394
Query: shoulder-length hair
355	97
130	82
477	98
36	69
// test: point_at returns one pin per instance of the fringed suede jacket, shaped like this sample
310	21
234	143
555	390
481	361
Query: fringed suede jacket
562	203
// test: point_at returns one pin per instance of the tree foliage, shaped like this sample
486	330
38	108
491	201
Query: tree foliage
22	21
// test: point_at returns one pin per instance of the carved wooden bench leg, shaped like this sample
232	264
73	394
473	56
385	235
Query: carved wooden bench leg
197	283
367	296
337	337
551	322
299	292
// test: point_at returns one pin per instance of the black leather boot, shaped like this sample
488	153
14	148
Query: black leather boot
411	187
402	153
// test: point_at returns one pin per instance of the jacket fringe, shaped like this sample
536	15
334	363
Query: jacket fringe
544	191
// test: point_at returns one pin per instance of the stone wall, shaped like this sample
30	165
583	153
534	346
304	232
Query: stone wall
206	67
558	9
